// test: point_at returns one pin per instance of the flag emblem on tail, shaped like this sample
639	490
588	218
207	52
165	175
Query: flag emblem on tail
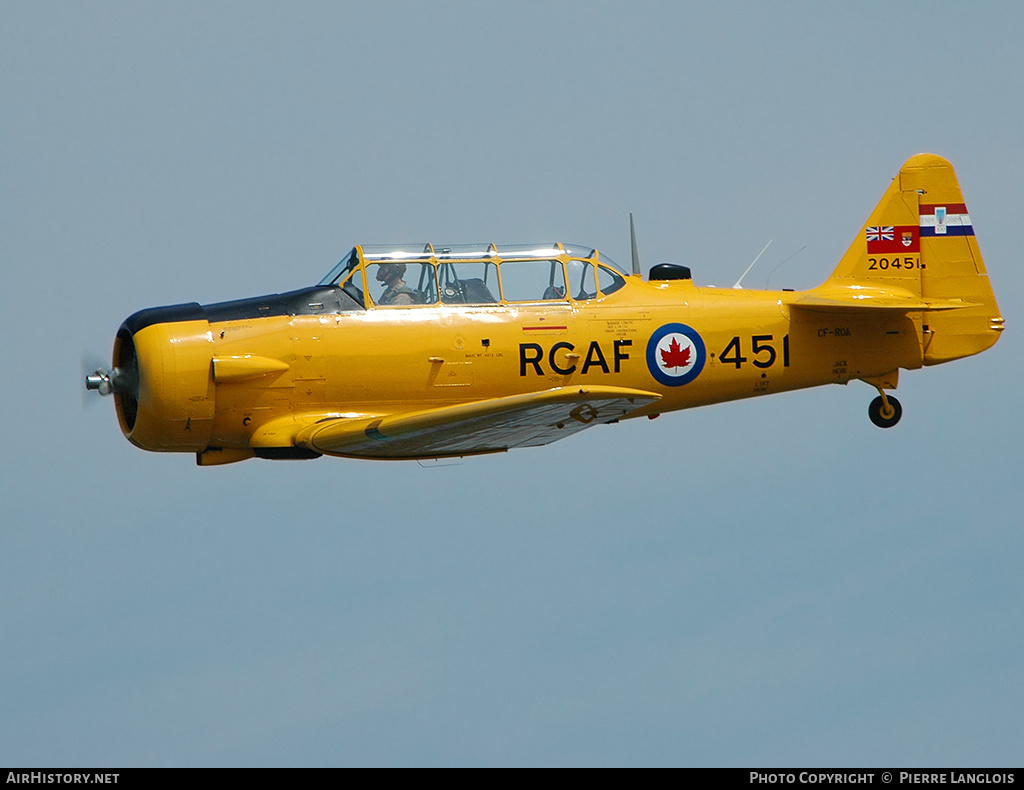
949	220
892	239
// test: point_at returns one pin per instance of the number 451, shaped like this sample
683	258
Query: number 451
761	348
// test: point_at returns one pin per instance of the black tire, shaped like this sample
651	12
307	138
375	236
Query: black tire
876	411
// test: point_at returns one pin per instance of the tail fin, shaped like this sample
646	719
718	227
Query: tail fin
917	251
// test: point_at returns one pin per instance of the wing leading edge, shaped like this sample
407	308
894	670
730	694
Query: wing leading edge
487	426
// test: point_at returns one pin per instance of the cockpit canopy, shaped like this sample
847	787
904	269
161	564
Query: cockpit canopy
474	274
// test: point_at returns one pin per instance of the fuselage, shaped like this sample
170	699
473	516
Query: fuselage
232	376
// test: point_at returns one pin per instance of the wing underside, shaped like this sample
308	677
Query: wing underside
486	426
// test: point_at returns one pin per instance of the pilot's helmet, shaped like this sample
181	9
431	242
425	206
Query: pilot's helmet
389	272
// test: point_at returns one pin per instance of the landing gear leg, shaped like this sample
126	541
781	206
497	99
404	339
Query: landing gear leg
884	411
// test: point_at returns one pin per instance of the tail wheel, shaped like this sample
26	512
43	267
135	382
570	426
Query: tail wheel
885	415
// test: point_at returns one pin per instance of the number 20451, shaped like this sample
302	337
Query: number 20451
881	264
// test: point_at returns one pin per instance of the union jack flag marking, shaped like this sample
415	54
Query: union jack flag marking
878	233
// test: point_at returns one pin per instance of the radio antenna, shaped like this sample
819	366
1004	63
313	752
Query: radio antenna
751	266
767	283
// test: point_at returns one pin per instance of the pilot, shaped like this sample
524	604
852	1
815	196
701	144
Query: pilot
396	291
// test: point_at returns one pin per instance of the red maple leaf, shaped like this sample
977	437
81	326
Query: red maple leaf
675	357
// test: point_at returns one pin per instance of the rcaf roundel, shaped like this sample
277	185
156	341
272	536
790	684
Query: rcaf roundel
675	354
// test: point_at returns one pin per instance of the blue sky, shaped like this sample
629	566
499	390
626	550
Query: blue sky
757	583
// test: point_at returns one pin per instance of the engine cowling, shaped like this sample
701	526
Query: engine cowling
165	394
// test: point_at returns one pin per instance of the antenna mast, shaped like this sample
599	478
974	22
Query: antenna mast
632	241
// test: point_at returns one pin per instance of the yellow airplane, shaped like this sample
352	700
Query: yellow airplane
437	351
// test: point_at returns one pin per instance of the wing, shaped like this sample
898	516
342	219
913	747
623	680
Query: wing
486	426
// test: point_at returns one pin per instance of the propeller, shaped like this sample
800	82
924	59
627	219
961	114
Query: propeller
91	365
105	382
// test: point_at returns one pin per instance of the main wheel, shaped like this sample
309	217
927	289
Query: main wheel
882	417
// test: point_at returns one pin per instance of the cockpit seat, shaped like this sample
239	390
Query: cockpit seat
476	291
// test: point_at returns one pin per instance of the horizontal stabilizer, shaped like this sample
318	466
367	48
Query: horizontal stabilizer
487	426
856	297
